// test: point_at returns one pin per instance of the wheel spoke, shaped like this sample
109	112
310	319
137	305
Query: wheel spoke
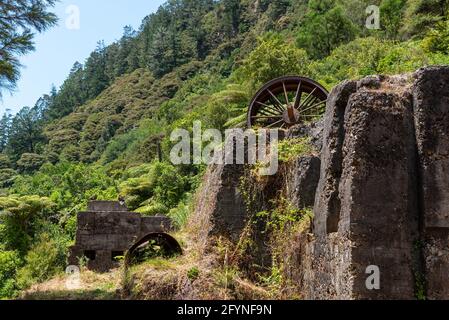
274	111
266	117
266	105
308	98
286	94
298	96
275	123
262	114
312	107
276	100
268	112
278	107
310	103
268	109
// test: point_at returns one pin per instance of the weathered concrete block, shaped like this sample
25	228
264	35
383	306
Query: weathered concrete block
436	259
228	211
155	224
431	104
431	100
219	207
366	210
327	268
327	203
86	221
302	181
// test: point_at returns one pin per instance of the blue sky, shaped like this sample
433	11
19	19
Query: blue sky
58	48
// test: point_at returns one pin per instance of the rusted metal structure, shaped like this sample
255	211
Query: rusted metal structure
286	101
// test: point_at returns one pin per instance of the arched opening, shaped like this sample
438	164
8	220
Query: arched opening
153	245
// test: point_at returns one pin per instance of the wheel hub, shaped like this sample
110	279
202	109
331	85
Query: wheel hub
291	116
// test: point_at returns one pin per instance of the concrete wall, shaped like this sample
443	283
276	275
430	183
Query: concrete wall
383	191
111	231
431	109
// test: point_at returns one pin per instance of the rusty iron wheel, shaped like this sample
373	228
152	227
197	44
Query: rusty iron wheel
286	101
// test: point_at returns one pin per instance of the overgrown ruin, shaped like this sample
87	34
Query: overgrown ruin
382	196
107	230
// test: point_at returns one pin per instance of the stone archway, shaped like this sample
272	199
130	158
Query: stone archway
167	245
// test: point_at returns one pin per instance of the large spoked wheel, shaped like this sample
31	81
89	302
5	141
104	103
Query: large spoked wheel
287	101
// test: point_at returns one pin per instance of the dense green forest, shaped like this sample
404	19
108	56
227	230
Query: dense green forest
100	134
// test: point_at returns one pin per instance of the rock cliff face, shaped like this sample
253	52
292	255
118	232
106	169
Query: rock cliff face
382	194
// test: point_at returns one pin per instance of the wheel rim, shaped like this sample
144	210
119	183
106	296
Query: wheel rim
286	101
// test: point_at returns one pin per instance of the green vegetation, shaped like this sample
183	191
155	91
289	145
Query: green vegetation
193	273
105	132
293	148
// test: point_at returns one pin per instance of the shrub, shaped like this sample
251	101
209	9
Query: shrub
5	162
30	162
152	208
7	177
437	39
19	219
408	57
351	61
273	57
291	149
324	28
68	185
9	264
162	185
181	213
41	263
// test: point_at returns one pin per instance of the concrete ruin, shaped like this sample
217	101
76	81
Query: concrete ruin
107	230
382	196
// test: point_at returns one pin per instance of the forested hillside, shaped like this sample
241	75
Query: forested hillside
105	132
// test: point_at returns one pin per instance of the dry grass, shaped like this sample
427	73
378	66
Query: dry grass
93	286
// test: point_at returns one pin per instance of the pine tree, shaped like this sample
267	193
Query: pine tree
72	94
231	19
18	19
25	133
126	59
161	56
95	71
5	124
